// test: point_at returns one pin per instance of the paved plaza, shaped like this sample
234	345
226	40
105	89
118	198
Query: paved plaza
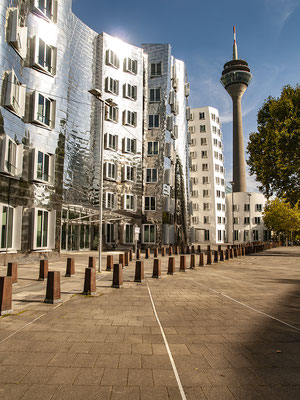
229	331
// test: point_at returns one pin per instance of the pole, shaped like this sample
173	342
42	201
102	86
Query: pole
101	182
232	184
249	217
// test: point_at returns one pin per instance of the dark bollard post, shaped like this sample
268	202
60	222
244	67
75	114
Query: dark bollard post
170	250
89	288
43	270
139	271
12	270
182	267
182	249
130	255
208	247
109	262
138	254
221	255
122	260
156	268
177	251
209	257
192	249
235	252
53	288
243	251
199	249
227	254
216	256
5	295
171	266
231	252
147	253
219	247
117	276
92	262
193	261
163	251
126	258
155	252
201	259
188	250
70	267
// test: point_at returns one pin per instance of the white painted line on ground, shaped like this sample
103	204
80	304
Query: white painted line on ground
167	347
246	305
18	330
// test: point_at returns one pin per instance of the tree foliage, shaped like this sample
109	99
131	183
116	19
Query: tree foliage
280	217
274	151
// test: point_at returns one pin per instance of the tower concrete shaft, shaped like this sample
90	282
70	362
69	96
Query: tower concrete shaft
239	170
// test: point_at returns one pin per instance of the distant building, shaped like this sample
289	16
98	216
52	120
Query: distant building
207	176
166	204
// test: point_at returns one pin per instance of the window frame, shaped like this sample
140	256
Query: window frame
6	163
48	112
110	165
154	72
152	227
151	144
150	206
50	163
130	91
130	65
155	99
131	198
152	180
15	95
153	121
45	66
112	59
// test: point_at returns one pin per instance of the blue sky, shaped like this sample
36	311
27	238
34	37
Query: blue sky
200	32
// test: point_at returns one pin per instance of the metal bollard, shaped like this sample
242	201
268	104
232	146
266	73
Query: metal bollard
139	271
156	268
117	276
53	288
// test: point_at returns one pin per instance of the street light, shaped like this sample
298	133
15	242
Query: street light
232	185
98	95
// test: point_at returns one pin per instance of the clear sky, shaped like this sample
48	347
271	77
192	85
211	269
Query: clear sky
200	32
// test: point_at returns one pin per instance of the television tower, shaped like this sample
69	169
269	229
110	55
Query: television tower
235	78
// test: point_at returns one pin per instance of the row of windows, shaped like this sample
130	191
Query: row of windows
129	202
43	232
207	192
213	117
202	129
129	65
206	167
207	207
256	235
258	207
257	220
148	233
207	220
206	180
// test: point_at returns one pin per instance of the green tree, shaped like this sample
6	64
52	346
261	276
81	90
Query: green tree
274	151
280	217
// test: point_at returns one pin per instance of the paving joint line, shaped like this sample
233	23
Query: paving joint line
183	396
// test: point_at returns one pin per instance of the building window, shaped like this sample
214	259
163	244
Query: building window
219	235
194	193
7	220
217	167
130	65
195	220
217	180
255	235
222	182
153	121
206	193
235	207
151	175
216	142
203	141
43	167
201	115
112	59
15	95
112	86
246	207
129	145
130	91
129	118
129	202
156	69
110	141
129	233
112	113
17	34
236	220
155	95
109	200
110	233
194	167
204	167
150	203
44	229
223	207
194	180
202	128
218	193
195	206
221	169
258	207
219	206
205	180
44	110
219	220
216	154
204	154
148	233
236	235
128	173
152	148
45	8
44	56
257	220
246	220
193	154
206	235
110	170
206	206
206	220
11	157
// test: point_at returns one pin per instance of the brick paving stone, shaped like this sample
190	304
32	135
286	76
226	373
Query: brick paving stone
89	376
84	360
12	391
38	375
156	362
121	348
63	376
130	361
125	393
194	393
114	377
164	377
107	361
62	360
141	348
68	392
154	393
13	374
38	392
140	377
217	393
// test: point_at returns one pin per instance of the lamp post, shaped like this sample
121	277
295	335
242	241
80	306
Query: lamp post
98	95
249	195
232	185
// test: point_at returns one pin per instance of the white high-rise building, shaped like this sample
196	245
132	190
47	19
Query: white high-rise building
207	176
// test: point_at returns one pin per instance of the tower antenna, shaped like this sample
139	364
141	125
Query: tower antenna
235	52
